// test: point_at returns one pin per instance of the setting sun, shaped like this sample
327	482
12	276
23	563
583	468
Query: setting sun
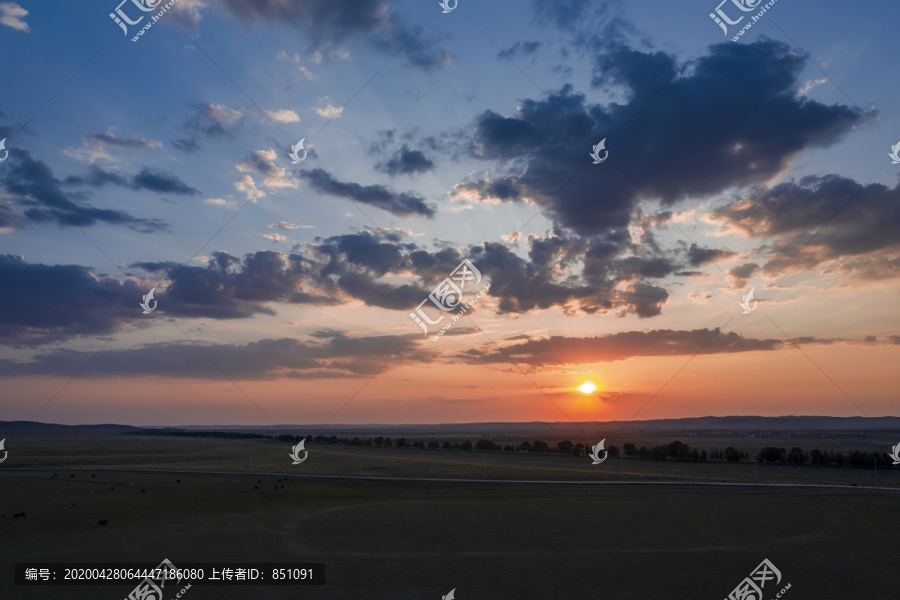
588	387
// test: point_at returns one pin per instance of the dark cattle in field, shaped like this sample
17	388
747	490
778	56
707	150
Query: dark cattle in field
17	515
255	487
111	487
143	490
177	481
103	522
92	475
72	475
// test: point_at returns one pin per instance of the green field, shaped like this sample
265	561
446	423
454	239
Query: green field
387	539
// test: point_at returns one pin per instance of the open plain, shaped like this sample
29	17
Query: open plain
652	534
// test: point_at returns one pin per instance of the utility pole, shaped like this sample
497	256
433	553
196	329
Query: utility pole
65	457
251	462
622	465
485	467
875	460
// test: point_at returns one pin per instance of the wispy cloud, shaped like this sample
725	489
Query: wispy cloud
11	15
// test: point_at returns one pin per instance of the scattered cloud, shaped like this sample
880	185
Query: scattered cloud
283	115
12	15
34	195
329	111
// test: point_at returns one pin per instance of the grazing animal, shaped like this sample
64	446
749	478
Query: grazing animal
255	487
72	475
282	486
143	490
111	487
177	481
276	487
103	522
17	515
92	475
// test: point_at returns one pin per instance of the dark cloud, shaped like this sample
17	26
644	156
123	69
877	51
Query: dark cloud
520	49
849	220
742	273
232	288
383	269
37	196
47	303
698	256
209	121
560	350
733	120
406	162
403	204
108	139
645	300
337	356
162	183
153	181
330	25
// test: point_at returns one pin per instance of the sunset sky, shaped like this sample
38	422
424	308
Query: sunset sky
285	290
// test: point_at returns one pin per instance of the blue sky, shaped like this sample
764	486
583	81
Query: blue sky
426	147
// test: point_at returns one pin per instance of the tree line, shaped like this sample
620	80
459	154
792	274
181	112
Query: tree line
674	451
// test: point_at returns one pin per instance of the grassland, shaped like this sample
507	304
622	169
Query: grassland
393	539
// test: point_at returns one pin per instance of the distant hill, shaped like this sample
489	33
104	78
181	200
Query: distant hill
535	428
33	428
737	423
